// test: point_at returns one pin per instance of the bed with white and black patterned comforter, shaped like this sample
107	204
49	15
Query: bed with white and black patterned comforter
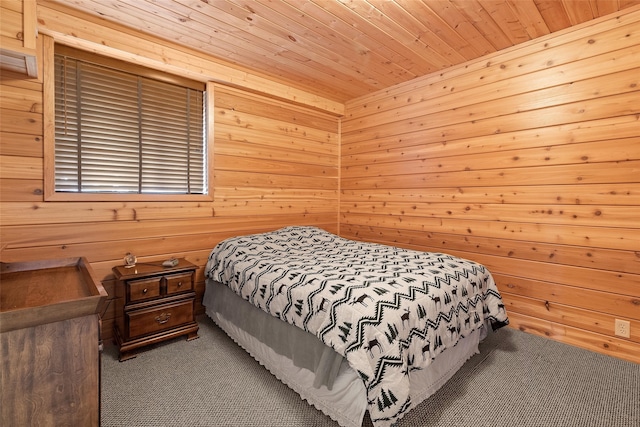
388	311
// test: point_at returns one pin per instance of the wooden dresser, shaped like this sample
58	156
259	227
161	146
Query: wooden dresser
50	341
153	304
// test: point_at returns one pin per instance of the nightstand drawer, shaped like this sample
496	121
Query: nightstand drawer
178	283
159	318
140	290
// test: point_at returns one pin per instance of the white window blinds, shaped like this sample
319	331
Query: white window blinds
118	132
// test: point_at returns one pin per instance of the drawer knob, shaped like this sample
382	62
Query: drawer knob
144	291
179	284
163	318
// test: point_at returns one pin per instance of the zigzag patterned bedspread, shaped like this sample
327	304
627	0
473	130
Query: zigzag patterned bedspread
388	310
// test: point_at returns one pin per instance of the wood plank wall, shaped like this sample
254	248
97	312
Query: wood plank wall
275	164
527	161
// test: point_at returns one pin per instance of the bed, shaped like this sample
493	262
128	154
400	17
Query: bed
351	326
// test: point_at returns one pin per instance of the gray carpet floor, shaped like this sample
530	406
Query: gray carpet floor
518	379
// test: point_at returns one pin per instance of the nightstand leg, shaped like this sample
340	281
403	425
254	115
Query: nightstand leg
127	355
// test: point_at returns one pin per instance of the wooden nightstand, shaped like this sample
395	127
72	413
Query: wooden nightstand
153	304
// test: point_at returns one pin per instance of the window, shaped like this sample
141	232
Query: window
123	129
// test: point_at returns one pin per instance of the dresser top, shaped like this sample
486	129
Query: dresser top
38	292
141	269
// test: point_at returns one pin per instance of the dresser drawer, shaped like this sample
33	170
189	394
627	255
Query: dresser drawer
141	290
177	283
159	318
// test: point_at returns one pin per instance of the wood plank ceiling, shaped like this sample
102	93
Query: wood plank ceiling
343	49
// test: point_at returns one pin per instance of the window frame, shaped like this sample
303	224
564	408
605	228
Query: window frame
50	194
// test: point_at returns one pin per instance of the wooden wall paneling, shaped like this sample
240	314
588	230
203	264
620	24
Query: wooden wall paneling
274	165
21	122
577	317
230	194
23	190
527	162
592	301
597	301
250	208
246	161
258	180
588	173
160	246
272	145
436	140
14	79
49	235
588	278
152	240
605	237
26	167
18	144
301	154
543	251
463	156
589	194
605	216
473	138
19	22
589	152
488	119
231	99
584	338
271	125
59	212
20	99
12	25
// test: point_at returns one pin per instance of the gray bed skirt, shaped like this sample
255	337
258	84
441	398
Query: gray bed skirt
312	369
